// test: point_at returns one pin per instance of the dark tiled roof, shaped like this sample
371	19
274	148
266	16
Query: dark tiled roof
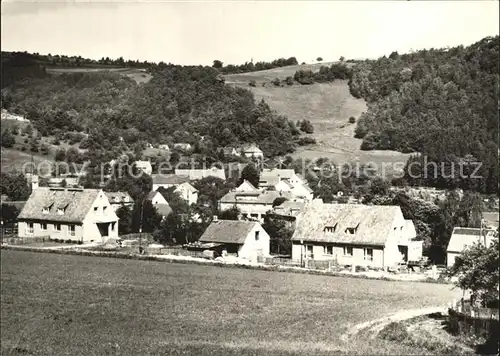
169	179
228	231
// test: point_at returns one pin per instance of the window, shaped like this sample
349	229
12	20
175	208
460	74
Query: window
113	226
30	228
257	235
347	251
104	208
96	208
368	254
57	227
328	250
43	226
71	230
401	228
45	210
330	228
350	230
309	251
60	211
395	228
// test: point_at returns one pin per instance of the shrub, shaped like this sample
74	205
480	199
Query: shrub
252	83
352	120
306	127
289	80
276	82
23	148
26	140
79	242
303	141
56	142
395	332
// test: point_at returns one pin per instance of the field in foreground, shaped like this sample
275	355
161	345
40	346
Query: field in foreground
327	105
71	305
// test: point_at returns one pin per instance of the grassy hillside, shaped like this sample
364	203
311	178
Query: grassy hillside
13	159
327	105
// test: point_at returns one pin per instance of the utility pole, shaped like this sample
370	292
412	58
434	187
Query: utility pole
140	227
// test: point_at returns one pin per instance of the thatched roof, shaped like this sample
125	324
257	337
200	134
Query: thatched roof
372	223
173	179
463	237
228	231
75	202
198	174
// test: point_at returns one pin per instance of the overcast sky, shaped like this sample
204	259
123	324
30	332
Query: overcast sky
184	32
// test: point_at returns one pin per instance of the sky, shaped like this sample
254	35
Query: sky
188	32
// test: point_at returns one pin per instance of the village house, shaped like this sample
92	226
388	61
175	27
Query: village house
246	239
119	199
231	151
198	174
164	147
186	147
252	204
269	177
63	182
375	236
144	166
181	184
298	190
246	186
463	237
252	151
74	214
160	203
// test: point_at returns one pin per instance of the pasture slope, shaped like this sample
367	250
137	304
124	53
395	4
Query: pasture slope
327	105
139	75
56	304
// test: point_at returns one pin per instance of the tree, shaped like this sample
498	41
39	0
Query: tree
151	220
125	220
477	269
341	58
14	185
250	174
306	126
9	214
8	139
217	64
60	155
230	214
280	234
352	120
379	186
252	83
319	59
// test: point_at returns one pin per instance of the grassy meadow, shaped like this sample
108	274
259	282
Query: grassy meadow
56	304
327	105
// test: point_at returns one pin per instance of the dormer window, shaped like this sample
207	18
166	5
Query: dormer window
46	209
330	228
350	230
61	209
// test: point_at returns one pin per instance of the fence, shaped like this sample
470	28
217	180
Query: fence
306	263
24	240
464	319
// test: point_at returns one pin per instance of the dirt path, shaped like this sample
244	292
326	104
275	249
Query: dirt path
373	327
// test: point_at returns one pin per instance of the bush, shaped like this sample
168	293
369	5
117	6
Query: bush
306	127
68	241
276	82
289	80
26	140
395	332
56	142
252	83
352	120
23	148
79	242
303	141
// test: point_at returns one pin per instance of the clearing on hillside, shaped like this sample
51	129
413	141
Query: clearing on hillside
14	160
328	106
139	75
56	304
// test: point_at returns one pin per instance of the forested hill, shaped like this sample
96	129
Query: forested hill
440	102
179	104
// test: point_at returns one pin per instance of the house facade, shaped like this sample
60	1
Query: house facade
181	184
270	177
463	237
144	166
252	205
160	203
164	147
68	214
119	199
246	186
252	151
183	146
246	239
351	234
